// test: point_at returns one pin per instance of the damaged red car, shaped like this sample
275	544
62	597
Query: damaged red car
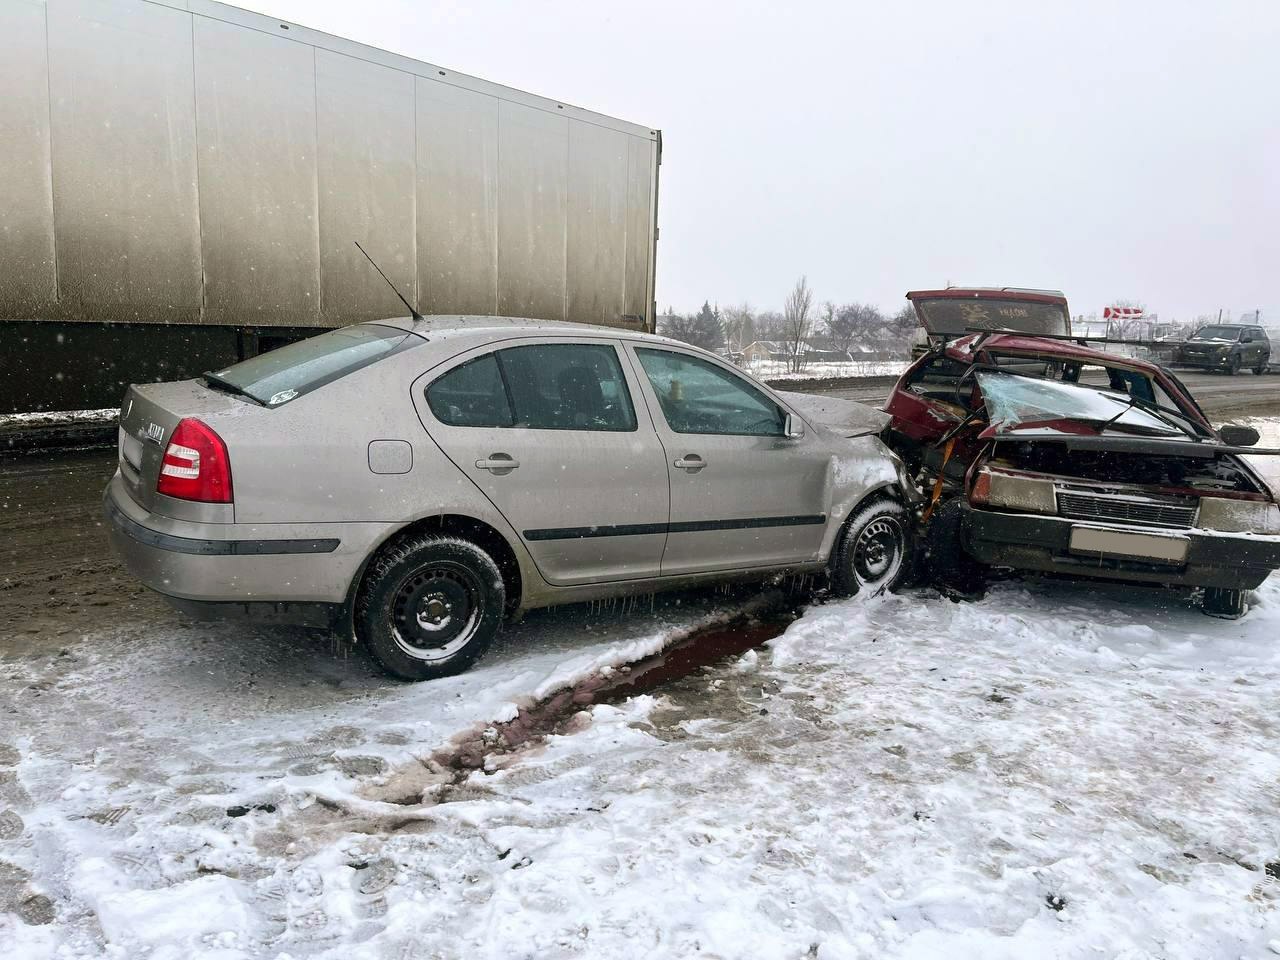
1036	452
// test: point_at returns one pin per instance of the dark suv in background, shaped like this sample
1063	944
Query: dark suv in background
1227	347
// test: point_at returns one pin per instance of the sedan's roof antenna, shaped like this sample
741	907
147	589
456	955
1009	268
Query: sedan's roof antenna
413	312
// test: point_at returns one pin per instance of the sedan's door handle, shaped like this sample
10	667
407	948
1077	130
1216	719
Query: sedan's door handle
690	462
498	462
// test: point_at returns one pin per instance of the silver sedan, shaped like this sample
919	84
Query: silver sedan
419	482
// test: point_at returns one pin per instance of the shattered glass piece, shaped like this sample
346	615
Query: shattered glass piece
1015	402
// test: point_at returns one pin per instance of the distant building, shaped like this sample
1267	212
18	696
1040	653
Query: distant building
759	351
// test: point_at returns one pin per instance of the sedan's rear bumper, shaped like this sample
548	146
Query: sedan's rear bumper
1034	542
213	564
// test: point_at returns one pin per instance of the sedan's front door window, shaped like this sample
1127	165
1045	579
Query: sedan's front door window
699	397
567	386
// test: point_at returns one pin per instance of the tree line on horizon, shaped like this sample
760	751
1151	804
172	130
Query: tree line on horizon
798	327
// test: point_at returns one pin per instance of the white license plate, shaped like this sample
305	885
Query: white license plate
1138	546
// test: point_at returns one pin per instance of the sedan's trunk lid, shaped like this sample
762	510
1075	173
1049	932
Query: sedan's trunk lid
148	416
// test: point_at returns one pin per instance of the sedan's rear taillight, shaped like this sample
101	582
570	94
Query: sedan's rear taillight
196	465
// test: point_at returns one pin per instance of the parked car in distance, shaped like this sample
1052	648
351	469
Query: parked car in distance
1227	347
1043	454
420	481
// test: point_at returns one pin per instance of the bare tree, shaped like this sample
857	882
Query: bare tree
739	325
904	321
852	323
828	314
796	321
770	325
676	326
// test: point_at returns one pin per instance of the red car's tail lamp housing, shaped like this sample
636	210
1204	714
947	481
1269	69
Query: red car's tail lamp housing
980	493
195	465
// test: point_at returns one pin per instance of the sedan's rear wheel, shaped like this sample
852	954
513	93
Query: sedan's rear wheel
430	606
873	551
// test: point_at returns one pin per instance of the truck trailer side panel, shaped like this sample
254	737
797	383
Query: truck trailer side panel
185	162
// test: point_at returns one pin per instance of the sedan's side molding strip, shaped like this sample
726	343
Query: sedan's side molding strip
686	526
239	548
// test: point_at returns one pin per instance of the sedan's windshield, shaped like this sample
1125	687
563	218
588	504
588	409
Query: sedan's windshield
282	375
1217	333
1013	402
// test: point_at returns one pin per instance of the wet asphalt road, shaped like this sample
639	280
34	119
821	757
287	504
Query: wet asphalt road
60	581
58	577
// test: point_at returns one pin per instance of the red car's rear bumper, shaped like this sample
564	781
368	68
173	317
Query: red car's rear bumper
1035	542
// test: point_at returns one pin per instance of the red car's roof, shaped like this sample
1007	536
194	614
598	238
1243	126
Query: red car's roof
961	349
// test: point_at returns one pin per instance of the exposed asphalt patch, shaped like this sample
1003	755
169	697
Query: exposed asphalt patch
557	713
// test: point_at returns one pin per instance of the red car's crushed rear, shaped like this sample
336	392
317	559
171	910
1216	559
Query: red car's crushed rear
1037	452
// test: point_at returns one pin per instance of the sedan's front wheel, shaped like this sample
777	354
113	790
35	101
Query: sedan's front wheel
430	606
873	552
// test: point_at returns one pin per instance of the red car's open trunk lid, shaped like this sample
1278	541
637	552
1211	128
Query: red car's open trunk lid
954	311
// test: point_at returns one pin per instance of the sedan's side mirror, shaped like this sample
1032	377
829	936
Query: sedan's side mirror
793	427
1238	435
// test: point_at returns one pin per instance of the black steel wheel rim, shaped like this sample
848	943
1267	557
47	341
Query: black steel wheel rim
436	610
878	551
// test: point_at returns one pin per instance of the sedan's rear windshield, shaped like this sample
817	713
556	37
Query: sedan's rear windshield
1217	333
285	374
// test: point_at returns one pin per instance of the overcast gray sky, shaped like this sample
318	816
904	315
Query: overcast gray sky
1108	149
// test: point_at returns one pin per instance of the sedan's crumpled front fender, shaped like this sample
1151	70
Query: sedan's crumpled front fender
863	467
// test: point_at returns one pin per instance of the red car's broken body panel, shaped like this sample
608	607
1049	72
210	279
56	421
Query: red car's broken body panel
918	418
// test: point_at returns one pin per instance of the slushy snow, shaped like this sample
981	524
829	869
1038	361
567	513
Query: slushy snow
1054	771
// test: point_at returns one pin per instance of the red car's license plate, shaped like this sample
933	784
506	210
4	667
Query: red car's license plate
1139	546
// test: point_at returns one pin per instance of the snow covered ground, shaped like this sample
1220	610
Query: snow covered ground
1049	772
137	766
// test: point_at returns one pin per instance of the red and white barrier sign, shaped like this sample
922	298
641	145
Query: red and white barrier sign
1123	313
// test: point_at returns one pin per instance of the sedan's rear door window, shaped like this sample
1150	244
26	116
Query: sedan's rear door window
471	395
